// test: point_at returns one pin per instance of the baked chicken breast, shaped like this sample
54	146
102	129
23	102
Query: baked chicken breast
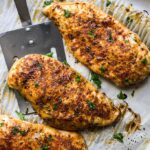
21	135
100	42
60	95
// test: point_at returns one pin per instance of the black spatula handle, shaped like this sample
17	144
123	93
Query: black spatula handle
23	12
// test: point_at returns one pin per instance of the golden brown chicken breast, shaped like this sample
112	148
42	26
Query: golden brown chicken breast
101	43
60	95
21	135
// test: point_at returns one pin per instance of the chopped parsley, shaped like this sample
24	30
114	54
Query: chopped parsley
39	66
110	38
78	78
1	124
133	92
122	95
108	3
44	147
49	54
91	33
65	62
16	130
20	115
102	69
95	78
36	84
144	61
55	106
118	136
129	20
91	104
47	2
126	41
50	138
67	13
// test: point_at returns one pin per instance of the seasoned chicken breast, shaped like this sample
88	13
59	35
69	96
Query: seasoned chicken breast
101	43
60	95
21	135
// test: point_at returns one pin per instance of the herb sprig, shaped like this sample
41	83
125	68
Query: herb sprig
95	78
20	115
119	137
122	95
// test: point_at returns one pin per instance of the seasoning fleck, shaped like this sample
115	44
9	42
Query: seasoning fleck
1	124
49	54
118	136
78	78
91	104
95	78
108	3
20	115
133	92
36	84
91	33
67	13
102	69
122	95
110	38
144	61
47	2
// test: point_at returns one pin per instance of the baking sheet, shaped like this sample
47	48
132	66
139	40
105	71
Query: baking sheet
140	103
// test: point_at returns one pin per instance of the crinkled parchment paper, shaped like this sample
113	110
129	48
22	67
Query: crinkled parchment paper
99	139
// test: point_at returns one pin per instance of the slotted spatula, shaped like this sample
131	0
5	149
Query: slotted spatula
30	39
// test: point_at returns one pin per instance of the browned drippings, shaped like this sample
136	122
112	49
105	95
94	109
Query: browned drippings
134	124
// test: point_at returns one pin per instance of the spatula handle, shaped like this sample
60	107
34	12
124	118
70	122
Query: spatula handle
23	12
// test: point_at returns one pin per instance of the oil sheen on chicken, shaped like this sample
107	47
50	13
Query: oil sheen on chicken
60	95
21	135
101	42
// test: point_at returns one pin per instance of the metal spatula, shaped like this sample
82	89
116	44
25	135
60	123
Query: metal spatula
30	39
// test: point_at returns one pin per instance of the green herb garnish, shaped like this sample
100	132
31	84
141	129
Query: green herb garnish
44	147
108	3
55	106
129	20
49	138
91	104
47	2
1	124
91	33
39	66
95	78
110	38
78	78
126	41
66	63
16	130
122	95
67	13
118	136
49	54
133	92
144	61
20	115
36	84
102	69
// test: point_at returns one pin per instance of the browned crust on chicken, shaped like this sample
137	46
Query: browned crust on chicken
101	43
58	97
21	135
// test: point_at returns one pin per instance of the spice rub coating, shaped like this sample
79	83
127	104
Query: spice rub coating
17	135
60	95
101	42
